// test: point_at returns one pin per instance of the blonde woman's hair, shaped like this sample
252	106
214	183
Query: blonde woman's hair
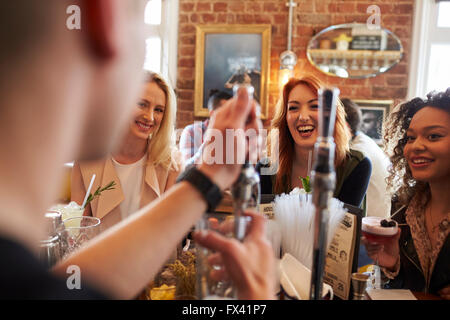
342	133
161	146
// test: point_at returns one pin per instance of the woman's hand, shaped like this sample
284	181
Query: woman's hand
445	293
386	252
250	264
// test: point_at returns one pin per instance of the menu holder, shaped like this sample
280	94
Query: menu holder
266	205
342	255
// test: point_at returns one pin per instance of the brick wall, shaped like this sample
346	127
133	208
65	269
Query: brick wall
311	16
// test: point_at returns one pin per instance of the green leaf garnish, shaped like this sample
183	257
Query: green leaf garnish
99	190
305	183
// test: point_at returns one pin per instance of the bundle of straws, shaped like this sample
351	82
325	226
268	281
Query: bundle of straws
294	230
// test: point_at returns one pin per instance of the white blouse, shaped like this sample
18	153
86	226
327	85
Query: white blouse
131	180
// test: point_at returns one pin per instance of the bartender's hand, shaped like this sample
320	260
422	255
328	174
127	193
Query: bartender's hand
445	293
386	252
237	113
250	264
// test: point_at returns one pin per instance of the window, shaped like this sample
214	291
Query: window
431	48
153	54
153	43
438	68
153	12
444	15
161	16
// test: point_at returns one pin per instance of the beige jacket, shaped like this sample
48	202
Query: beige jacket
107	206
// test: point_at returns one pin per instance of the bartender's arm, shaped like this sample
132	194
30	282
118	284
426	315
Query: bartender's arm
122	260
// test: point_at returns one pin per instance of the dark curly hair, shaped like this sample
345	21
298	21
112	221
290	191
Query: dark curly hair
400	179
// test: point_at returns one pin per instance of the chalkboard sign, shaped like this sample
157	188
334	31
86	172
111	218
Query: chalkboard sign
361	42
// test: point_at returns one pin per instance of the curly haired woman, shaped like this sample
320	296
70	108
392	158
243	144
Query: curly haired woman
418	142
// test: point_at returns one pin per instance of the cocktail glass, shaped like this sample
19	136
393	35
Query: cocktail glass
71	210
78	231
375	233
212	282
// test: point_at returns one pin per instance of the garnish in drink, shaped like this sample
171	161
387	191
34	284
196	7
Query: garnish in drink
378	230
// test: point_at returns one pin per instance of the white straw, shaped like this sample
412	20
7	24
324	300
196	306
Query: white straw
88	190
294	213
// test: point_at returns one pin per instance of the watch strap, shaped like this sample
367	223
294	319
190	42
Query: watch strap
208	189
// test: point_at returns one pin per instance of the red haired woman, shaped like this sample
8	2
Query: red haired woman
296	118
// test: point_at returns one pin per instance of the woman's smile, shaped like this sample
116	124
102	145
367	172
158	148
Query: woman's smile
420	162
306	131
145	127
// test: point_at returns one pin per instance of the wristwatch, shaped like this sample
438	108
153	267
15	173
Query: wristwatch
209	190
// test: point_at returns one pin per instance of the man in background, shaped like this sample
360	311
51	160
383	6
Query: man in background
192	137
378	202
370	125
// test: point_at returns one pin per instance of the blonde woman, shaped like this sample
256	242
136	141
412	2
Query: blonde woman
296	118
144	165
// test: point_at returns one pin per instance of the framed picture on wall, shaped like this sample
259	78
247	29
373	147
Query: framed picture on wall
231	54
374	113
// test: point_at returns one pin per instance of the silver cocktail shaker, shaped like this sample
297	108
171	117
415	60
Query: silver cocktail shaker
53	221
246	194
50	251
246	191
53	248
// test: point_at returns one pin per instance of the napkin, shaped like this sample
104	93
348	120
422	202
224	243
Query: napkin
295	279
390	294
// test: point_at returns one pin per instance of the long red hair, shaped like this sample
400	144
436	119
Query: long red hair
342	133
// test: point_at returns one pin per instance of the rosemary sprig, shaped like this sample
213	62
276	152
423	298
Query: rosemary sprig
305	183
99	190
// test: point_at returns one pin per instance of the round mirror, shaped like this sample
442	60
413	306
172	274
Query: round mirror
354	51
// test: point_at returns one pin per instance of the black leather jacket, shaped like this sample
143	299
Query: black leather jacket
411	275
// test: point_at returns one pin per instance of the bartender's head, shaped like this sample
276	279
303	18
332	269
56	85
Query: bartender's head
82	81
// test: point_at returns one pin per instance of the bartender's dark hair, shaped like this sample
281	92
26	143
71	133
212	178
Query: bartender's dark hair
400	179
